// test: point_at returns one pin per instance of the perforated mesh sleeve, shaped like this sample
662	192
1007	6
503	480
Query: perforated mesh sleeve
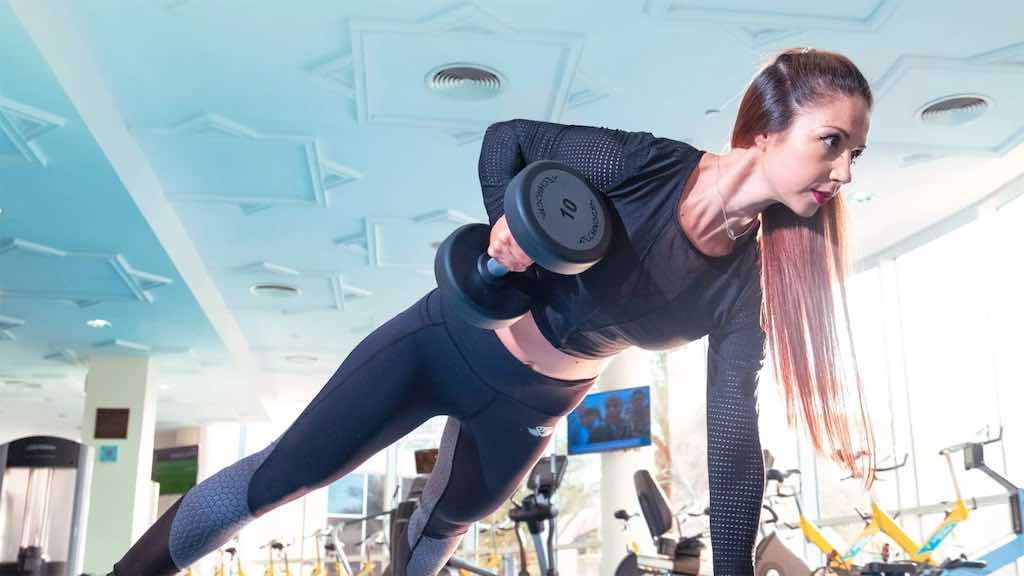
735	462
601	155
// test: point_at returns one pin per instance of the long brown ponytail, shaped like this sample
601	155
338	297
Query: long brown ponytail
804	264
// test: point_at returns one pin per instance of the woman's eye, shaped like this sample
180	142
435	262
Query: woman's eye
831	140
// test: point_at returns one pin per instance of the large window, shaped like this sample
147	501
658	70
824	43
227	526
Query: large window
1007	329
351	498
840	495
938	337
944	288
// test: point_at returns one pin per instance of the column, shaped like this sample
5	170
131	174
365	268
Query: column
122	499
628	369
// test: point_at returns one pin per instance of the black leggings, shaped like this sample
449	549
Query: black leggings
422	363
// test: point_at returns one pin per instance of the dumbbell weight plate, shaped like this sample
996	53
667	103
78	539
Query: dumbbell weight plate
556	218
464	290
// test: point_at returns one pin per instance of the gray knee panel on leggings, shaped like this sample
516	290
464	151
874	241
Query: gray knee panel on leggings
214	510
428	555
431	555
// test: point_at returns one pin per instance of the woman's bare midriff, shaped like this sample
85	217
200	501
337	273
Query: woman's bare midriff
525	341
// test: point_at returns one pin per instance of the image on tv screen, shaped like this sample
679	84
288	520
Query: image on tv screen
176	469
613	420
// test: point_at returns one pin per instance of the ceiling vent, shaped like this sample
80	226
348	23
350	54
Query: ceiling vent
954	110
465	82
274	290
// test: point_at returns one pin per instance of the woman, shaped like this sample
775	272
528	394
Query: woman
685	262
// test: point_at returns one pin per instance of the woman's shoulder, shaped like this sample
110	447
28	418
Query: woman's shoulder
632	139
655	154
662	144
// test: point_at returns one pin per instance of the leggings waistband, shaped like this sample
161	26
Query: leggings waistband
502	371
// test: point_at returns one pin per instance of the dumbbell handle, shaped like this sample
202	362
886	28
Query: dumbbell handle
490	269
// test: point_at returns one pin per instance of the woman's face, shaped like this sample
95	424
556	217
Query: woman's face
808	163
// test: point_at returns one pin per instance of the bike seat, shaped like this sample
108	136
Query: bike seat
962	563
890	569
684	548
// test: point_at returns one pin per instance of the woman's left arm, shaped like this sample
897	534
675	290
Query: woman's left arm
735	462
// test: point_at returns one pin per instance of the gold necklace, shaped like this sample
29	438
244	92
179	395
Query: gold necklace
721	202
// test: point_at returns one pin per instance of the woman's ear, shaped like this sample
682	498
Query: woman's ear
761	141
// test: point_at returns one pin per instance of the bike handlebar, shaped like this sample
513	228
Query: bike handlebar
964	445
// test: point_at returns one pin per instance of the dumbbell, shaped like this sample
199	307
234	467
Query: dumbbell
556	219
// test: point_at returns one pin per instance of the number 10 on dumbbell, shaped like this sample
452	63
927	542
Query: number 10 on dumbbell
555	218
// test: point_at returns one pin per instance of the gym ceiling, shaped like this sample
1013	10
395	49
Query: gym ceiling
242	190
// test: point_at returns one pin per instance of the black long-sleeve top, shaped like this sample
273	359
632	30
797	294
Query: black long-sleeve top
654	290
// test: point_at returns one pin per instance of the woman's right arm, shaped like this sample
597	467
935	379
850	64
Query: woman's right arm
602	156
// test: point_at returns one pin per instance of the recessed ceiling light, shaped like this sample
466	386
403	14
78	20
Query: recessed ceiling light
98	323
275	290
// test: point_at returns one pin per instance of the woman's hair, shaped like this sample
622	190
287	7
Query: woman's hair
804	266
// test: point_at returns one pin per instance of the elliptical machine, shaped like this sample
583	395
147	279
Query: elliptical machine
536	509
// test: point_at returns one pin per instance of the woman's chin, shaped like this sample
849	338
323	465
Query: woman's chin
804	209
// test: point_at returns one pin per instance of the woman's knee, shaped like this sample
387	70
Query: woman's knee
456	515
214	509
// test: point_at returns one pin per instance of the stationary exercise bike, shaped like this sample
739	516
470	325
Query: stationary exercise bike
324	539
956	514
225	569
493	560
674	556
1007	553
841	558
881	522
1003	555
878	521
771	556
276	548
